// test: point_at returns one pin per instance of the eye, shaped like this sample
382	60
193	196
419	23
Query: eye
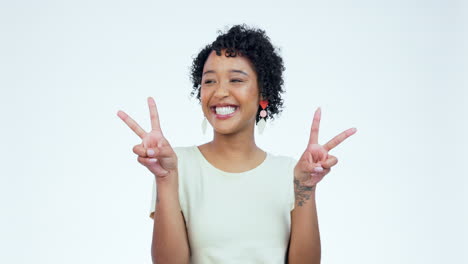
237	80
208	81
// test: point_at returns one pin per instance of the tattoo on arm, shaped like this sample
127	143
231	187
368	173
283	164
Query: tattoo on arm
302	193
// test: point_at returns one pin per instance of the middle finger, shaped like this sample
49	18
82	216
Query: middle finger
154	114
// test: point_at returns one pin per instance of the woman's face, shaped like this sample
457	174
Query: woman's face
229	81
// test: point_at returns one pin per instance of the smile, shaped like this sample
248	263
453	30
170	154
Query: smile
224	113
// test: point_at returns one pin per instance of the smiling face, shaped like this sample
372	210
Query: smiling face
229	81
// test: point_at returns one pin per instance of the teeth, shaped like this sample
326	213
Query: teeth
225	110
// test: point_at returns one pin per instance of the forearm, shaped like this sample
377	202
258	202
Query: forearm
305	237
170	241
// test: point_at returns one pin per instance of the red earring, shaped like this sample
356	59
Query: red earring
263	104
261	123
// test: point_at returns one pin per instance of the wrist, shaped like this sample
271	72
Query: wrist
170	179
304	186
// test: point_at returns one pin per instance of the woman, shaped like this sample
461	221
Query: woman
228	201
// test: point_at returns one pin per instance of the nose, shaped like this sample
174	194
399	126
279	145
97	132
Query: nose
221	90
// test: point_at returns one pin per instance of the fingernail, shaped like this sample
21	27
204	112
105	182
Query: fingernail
150	152
152	160
318	169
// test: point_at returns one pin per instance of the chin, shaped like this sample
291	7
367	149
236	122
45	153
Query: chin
224	131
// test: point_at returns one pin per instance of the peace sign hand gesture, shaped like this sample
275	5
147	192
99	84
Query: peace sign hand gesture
154	152
315	163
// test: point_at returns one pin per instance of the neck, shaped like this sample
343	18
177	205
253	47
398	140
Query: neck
237	146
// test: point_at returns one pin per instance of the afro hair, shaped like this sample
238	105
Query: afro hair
256	46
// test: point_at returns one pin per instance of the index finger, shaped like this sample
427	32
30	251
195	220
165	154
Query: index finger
154	114
340	138
131	124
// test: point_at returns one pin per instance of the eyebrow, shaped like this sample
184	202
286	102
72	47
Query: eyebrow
239	71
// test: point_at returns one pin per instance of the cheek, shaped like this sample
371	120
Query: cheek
203	95
203	101
252	94
249	91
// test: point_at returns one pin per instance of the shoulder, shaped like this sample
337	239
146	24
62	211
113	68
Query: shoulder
182	151
186	155
280	159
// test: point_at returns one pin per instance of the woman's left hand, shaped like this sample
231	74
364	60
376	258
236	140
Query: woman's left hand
315	163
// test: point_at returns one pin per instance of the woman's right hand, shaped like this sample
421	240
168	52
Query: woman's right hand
154	152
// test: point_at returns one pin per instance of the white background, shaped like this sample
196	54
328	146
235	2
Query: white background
71	190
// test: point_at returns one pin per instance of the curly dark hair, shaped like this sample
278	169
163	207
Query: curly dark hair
256	46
